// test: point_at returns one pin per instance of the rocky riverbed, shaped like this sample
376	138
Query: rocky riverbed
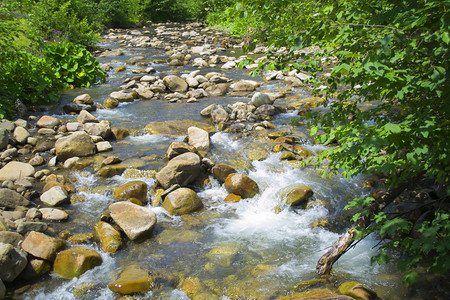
125	191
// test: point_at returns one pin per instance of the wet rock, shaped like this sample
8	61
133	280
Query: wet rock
83	99
182	170
219	114
232	198
76	261
33	214
110	103
314	294
221	172
357	290
133	189
169	236
192	82
12	262
266	109
241	185
25	227
245	86
11	199
145	93
55	196
4	138
44	145
120	69
15	170
81	238
295	195
53	214
103	146
110	171
260	99
136	221
175	127
34	269
198	138
47	122
119	132
175	83
133	279
109	237
110	160
21	135
37	160
182	201
192	286
223	254
122	96
102	129
216	90
77	144
177	148
42	246
85	117
74	108
11	238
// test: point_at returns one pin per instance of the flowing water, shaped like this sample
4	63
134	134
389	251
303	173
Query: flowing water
243	250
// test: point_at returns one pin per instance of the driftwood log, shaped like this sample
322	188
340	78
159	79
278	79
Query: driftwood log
345	241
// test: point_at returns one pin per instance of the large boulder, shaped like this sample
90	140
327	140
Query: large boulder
15	170
182	201
133	189
198	138
136	221
133	279
12	199
295	195
181	170
175	84
76	261
12	262
42	245
221	172
177	148
76	144
242	185
108	236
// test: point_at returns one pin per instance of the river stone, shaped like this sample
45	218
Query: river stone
241	185
53	214
47	122
21	135
86	117
232	198
313	294
109	237
2	289
4	138
73	108
182	170
175	83
110	103
25	227
102	129
115	52
83	99
177	148
219	114
15	170
266	109
133	189
103	146
295	195
42	245
37	160
357	290
75	261
55	196
145	93
133	279
35	269
260	99
11	238
221	172
12	199
12	262
76	144
122	96
182	201
206	112
134	220
198	138
44	145
216	90
110	171
119	132
175	127
8	125
245	86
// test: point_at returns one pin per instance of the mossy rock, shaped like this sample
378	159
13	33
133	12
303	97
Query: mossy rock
182	201
81	238
132	280
76	261
295	195
109	237
169	236
357	290
315	294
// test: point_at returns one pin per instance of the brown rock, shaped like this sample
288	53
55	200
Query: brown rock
182	201
241	185
108	236
75	261
134	220
133	189
221	172
42	245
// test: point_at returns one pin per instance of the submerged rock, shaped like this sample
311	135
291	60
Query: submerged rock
133	279
182	201
134	220
76	261
241	185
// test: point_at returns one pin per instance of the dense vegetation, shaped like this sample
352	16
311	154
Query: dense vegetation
387	95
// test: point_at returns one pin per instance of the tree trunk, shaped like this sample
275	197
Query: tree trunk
339	247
